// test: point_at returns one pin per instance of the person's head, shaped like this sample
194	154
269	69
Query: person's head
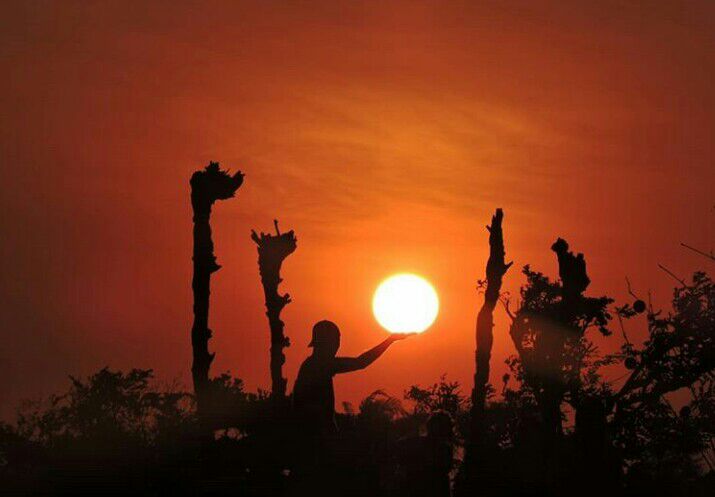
439	425
326	338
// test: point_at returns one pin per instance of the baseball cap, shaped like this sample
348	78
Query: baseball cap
324	332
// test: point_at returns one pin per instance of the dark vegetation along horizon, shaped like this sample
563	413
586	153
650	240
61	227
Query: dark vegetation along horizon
554	425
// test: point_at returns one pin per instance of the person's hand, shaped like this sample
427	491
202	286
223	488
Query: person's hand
401	336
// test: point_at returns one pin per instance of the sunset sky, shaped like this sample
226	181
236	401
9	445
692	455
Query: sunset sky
384	133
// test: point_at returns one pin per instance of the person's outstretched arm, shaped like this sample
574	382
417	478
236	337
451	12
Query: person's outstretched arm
347	364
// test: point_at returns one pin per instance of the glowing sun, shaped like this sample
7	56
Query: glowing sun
405	303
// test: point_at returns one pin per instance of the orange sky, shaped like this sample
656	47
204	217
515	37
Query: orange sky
385	134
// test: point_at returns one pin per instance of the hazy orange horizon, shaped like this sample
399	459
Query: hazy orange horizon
384	135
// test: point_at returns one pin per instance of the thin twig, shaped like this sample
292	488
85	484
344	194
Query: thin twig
679	280
623	329
505	302
630	291
697	251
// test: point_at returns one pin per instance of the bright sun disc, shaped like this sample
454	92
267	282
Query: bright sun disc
405	303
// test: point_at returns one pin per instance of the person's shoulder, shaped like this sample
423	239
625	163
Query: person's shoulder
307	364
304	368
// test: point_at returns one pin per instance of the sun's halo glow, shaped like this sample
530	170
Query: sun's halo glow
405	303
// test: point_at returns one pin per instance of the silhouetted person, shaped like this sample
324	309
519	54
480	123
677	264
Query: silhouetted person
313	394
425	462
317	469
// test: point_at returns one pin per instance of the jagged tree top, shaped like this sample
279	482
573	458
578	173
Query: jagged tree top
572	268
211	184
274	249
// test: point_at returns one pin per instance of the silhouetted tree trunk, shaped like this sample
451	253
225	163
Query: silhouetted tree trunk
477	470
496	269
272	251
574	281
207	186
547	331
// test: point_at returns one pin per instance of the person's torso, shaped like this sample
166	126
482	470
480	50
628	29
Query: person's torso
313	394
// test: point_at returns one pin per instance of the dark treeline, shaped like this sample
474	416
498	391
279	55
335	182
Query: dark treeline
554	425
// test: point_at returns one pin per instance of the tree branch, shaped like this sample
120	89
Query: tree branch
207	186
495	270
272	251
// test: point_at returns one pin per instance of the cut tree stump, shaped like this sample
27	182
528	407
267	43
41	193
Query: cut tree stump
272	251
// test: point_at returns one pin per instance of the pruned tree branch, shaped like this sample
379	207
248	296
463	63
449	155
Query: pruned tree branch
496	269
207	186
272	251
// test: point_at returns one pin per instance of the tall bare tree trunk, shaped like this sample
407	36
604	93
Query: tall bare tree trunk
207	186
496	269
476	471
574	281
272	251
